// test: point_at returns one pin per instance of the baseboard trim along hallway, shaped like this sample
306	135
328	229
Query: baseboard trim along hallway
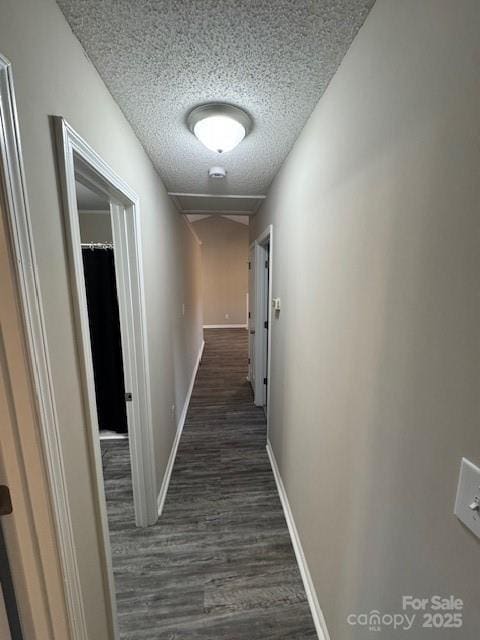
317	614
173	453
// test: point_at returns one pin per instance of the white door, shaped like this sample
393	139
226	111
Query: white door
260	285
251	316
265	320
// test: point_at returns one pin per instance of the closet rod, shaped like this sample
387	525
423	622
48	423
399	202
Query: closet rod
97	245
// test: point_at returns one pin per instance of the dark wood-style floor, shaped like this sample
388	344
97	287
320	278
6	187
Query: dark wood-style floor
219	564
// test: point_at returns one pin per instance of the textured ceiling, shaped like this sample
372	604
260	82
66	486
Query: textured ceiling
161	58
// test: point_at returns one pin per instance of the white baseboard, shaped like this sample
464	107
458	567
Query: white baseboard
224	326
317	615
173	453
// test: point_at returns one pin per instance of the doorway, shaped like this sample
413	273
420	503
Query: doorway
103	243
251	316
100	278
261	316
103	313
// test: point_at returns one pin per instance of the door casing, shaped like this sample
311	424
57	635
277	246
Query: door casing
78	161
46	575
262	295
251	316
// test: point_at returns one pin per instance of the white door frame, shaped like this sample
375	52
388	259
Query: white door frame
46	426
78	161
29	495
266	237
251	316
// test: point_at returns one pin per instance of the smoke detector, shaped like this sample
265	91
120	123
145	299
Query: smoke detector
217	172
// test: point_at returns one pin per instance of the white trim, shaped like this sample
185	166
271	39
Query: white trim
18	214
219	212
215	195
317	614
173	452
131	298
224	326
191	229
259	319
251	316
78	161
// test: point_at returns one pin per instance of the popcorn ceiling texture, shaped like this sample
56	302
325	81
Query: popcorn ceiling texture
160	59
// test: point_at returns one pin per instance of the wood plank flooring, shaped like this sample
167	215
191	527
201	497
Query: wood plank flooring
219	564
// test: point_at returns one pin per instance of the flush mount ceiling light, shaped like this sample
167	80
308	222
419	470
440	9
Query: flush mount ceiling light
220	127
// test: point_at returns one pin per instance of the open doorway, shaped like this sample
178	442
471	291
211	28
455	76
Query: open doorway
251	316
100	277
103	313
103	242
260	317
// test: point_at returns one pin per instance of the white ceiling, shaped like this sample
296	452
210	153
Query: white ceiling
161	58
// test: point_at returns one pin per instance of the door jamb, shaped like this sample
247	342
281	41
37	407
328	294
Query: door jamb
261	240
17	213
251	298
78	160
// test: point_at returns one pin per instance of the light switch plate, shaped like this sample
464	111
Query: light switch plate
468	493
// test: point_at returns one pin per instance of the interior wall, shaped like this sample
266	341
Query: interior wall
95	226
52	75
224	270
376	351
188	319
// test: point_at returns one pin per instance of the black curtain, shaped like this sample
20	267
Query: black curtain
6	585
104	320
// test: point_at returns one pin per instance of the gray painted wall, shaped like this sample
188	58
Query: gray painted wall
53	76
376	352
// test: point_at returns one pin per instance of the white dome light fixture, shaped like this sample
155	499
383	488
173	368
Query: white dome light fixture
220	127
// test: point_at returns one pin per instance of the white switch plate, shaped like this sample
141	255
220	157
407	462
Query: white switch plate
468	490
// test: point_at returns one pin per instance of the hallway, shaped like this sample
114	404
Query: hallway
219	563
